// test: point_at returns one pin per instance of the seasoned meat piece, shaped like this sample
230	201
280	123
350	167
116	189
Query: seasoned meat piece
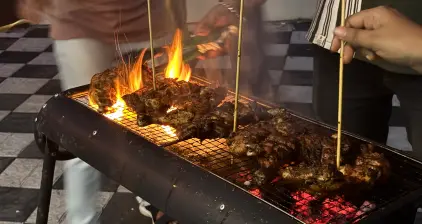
259	177
320	178
219	123
102	90
269	161
284	147
369	167
319	149
248	141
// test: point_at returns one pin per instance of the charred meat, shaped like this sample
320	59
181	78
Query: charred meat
320	179
219	122
103	90
369	167
174	102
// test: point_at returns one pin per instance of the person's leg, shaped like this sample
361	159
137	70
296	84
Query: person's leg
367	103
408	89
78	60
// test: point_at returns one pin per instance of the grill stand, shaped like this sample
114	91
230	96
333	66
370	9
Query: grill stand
50	150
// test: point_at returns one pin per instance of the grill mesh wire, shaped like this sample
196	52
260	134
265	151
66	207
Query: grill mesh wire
213	156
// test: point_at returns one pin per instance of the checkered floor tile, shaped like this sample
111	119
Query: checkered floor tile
28	78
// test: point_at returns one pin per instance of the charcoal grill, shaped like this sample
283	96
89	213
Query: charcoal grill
191	181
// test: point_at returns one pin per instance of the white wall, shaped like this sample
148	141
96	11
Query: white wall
289	9
274	9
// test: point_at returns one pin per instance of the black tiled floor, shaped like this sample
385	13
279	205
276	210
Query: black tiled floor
11	101
297	78
275	62
37	71
301	50
41	32
5	42
282	38
17	57
49	49
302	26
17	204
50	88
31	152
4	162
121	209
18	123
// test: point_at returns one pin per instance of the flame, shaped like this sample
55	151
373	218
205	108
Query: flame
132	81
134	78
176	68
172	108
169	130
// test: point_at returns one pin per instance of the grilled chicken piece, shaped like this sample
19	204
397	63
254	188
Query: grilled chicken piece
219	123
317	149
277	135
174	118
369	167
323	178
102	90
183	96
248	141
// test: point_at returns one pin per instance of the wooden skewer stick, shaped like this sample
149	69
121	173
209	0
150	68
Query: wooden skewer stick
151	43
340	87
239	53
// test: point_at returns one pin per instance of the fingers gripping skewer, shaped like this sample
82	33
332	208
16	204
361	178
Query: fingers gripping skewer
340	88
239	53
151	43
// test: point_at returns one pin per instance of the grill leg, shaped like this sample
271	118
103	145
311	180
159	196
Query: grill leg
46	182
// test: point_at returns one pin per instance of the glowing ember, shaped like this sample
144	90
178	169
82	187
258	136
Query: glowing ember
256	192
331	210
172	108
176	68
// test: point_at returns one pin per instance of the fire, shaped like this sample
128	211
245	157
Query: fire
169	130
176	68
132	81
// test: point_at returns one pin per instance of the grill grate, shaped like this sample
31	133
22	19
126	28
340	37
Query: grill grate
213	156
157	134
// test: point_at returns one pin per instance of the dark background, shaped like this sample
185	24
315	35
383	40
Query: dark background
7	12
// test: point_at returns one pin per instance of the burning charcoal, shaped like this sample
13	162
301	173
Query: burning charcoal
102	90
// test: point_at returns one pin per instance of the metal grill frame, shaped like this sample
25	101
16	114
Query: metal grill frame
94	138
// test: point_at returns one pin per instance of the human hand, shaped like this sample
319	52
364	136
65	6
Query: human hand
30	10
381	32
219	16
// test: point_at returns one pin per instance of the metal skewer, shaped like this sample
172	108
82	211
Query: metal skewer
239	53
151	43
340	88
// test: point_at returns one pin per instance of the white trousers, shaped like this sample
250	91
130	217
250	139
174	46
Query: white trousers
78	60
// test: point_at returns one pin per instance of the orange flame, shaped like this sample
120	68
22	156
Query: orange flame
176	68
132	81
